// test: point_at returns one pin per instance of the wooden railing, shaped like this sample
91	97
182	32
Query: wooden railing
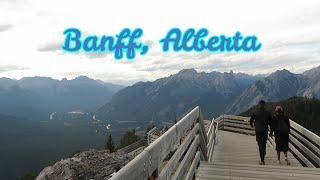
133	146
305	145
174	155
152	135
212	134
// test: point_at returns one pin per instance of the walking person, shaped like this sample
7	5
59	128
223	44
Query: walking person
281	129
260	121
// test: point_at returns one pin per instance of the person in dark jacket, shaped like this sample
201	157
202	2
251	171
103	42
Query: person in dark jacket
261	120
281	128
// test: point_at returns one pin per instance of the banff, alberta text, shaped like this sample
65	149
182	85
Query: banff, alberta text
126	44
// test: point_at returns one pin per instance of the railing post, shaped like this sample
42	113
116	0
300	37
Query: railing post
202	127
203	136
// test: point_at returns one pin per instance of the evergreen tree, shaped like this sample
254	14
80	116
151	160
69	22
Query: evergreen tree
304	111
128	138
29	176
110	145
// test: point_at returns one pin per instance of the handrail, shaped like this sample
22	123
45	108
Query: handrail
186	140
212	134
305	145
133	146
149	133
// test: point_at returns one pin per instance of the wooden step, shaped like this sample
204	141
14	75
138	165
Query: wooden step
206	165
208	171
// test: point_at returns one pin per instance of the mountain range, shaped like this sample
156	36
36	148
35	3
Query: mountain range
168	98
279	85
164	99
32	97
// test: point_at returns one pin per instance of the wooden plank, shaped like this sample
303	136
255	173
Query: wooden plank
211	139
255	174
243	170
239	118
310	135
185	124
222	177
307	142
187	159
192	169
136	169
249	132
203	144
219	119
210	128
172	164
212	143
147	162
237	121
240	126
265	167
202	128
305	150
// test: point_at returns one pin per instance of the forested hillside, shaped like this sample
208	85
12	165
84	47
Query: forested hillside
302	110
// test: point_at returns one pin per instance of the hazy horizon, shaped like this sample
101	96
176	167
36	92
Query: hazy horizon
126	83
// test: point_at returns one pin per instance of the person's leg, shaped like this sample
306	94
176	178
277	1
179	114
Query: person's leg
258	139
263	149
286	157
261	152
264	144
278	155
261	140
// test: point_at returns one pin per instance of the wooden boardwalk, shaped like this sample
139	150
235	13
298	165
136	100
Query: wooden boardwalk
236	156
224	148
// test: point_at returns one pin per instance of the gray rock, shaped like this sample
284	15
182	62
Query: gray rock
92	164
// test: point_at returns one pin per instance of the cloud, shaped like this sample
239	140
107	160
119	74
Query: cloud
95	55
50	47
289	36
56	47
7	68
5	27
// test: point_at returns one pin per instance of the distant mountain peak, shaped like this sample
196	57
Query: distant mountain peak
313	73
36	78
283	71
281	74
82	78
188	71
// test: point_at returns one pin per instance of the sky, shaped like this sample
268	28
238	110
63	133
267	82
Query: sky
31	36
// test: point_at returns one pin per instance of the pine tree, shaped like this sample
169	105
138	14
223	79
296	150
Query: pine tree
128	138
110	145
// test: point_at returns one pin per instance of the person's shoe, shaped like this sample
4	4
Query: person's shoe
261	163
288	163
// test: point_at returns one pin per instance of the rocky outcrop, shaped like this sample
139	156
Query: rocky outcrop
92	164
